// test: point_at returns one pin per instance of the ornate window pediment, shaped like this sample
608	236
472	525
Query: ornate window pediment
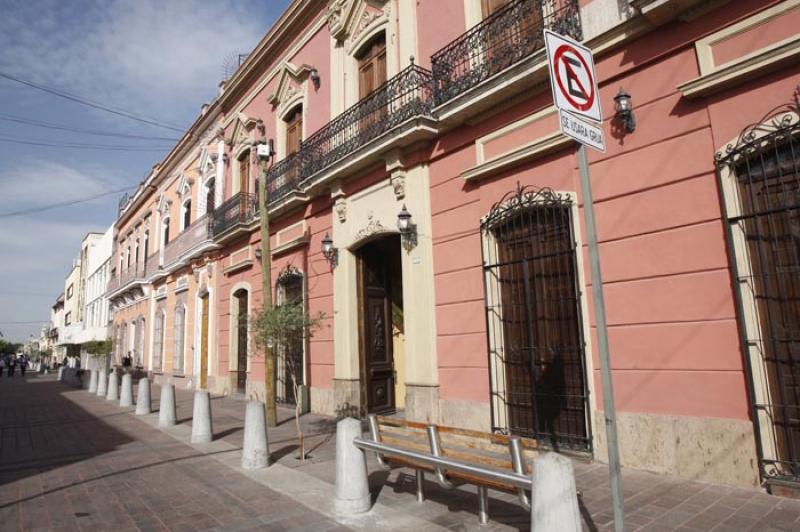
207	164
289	89
185	186
347	19
162	205
242	131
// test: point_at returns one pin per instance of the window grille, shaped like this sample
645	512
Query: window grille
533	316
177	355
760	179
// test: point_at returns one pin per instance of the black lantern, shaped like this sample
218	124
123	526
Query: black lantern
624	110
407	228
315	79
328	251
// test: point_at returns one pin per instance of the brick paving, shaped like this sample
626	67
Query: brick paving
72	453
73	461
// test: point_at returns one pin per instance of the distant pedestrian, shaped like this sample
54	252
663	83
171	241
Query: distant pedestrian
23	365
2	365
12	365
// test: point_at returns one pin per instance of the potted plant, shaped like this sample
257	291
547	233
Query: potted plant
279	328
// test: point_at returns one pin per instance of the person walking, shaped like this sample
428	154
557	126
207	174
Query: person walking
2	365
12	365
23	365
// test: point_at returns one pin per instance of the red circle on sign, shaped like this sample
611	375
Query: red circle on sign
557	58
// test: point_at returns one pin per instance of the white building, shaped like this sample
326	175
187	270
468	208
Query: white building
96	269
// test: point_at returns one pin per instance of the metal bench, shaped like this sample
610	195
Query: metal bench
454	456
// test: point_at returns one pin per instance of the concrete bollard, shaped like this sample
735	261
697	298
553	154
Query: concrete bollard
93	381
554	504
102	383
352	488
201	418
113	386
61	373
166	406
126	393
255	450
143	397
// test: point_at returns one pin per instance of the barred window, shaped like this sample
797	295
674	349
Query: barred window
158	341
535	331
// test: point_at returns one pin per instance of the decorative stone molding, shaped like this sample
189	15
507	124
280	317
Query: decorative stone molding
289	89
373	227
163	205
243	131
350	19
184	187
341	210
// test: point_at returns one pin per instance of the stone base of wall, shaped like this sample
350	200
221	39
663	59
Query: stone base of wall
347	398
708	449
422	403
465	414
322	401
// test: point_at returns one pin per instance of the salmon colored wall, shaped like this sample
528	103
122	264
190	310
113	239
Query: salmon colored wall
669	298
319	282
438	23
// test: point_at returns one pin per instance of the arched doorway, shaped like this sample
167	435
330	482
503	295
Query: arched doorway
239	314
381	330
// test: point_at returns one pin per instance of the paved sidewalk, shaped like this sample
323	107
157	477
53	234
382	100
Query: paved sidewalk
72	461
653	502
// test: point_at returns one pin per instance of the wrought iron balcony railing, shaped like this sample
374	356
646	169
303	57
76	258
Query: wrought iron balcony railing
406	95
240	209
502	39
283	178
189	238
136	272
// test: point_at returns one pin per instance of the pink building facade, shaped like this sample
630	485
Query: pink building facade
422	196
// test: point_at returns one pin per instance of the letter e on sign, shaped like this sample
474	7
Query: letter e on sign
572	76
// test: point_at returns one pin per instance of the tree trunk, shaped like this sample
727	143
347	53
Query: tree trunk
266	277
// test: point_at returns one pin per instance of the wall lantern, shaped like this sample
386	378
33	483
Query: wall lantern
315	79
624	110
407	228
328	251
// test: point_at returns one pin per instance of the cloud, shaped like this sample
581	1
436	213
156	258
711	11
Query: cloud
34	183
152	57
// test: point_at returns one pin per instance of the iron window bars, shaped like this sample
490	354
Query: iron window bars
533	319
760	181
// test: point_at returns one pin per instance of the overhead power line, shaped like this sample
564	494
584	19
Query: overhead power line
78	145
60	127
89	103
75	201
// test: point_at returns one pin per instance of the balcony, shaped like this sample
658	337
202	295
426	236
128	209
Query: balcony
506	37
136	273
237	213
188	241
407	95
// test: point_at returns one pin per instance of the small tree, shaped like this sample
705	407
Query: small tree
98	348
279	328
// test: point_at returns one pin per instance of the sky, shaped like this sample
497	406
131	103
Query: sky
157	59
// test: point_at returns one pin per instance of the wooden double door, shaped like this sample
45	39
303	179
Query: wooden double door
381	316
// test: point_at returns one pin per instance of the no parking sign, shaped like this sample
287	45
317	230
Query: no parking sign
572	76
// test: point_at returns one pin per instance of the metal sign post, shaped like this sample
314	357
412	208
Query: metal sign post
575	92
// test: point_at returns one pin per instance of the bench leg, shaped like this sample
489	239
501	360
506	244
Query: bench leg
483	505
420	486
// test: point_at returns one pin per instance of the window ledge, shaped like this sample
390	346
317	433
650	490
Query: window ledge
743	69
300	241
536	149
238	266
